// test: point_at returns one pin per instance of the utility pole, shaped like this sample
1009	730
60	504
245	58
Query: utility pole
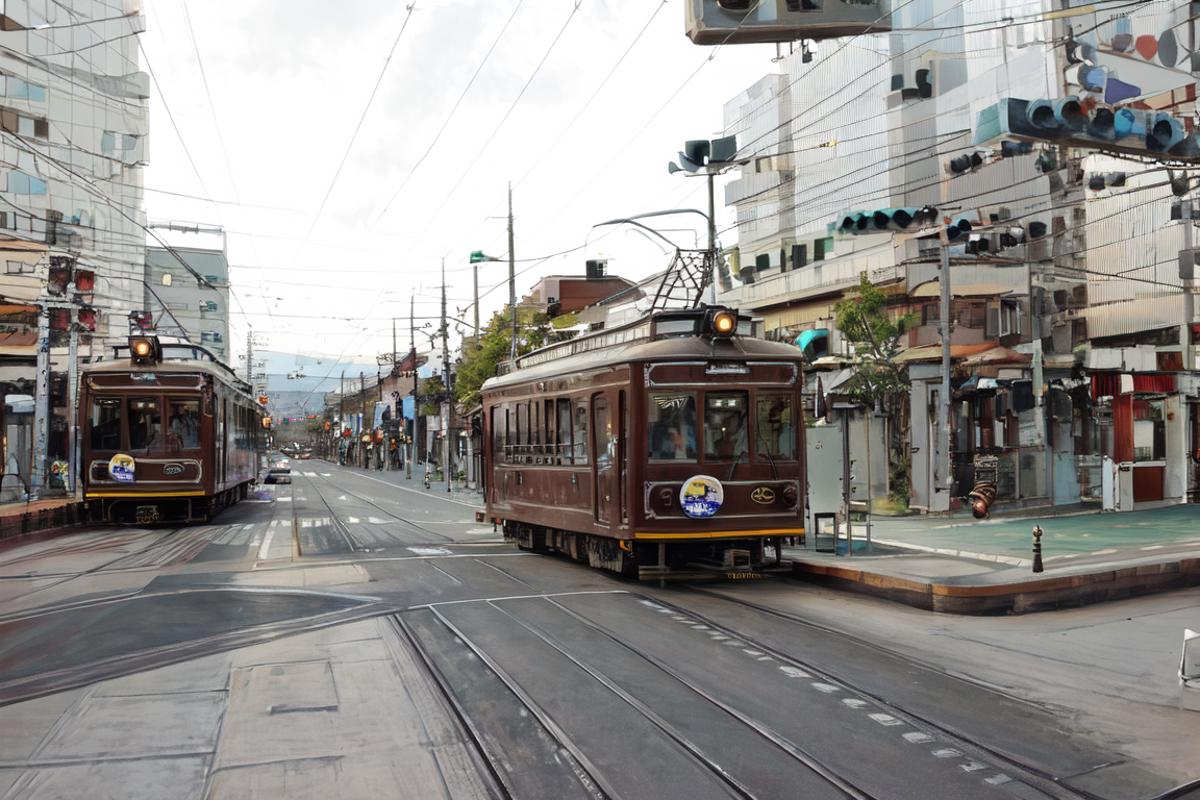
446	375
1189	285
942	449
412	344
362	415
41	408
712	241
72	400
512	275
475	275
250	358
341	413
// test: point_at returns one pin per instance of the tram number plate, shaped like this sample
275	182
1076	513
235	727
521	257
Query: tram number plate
743	575
146	514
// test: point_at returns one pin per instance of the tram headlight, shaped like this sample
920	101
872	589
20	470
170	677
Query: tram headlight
143	349
722	323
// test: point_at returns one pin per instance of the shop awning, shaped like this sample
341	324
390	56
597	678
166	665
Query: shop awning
997	355
933	352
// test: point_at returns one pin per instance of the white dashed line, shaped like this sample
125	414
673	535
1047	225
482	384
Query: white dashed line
718	637
733	643
352	520
794	672
827	688
946	752
916	737
764	658
750	652
266	545
699	627
998	779
854	702
886	720
972	766
1106	551
1153	547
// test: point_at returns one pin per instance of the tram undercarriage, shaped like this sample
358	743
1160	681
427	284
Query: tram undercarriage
732	559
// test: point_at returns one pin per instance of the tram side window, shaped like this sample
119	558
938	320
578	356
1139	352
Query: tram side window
725	425
106	423
145	423
580	432
776	436
671	420
548	432
563	425
498	422
183	423
522	439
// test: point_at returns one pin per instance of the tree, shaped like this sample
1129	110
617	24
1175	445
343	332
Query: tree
880	380
493	347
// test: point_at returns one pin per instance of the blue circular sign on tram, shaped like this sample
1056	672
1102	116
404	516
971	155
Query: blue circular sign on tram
701	496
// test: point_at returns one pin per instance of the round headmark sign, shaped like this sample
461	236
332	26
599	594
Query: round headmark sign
701	496
121	467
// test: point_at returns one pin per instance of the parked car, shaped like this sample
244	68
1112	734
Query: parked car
279	471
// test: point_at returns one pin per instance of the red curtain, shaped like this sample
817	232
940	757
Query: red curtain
1105	384
1122	411
1164	384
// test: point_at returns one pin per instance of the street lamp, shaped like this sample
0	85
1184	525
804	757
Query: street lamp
478	257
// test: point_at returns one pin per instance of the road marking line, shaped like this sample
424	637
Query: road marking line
885	719
248	526
764	658
946	752
972	766
266	545
1103	552
309	474
352	520
794	672
326	475
998	779
429	551
1153	547
699	627
854	702
376	521
274	522
733	643
284	499
918	738
827	688
750	652
423	494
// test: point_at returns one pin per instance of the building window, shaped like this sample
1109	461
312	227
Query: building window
19	268
107	145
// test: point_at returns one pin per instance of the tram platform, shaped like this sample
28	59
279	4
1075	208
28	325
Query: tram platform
963	566
23	517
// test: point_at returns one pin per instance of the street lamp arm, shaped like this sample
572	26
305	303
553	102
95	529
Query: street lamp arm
632	221
663	213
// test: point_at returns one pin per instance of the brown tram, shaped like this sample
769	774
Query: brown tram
666	446
169	434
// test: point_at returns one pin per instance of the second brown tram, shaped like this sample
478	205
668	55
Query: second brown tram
668	445
169	433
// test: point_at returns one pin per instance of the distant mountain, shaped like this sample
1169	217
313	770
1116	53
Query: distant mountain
297	383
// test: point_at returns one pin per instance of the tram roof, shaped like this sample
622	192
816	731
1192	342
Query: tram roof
640	346
178	357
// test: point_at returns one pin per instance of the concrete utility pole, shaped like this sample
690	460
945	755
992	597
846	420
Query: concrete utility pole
943	412
72	400
475	275
1189	285
512	275
412	343
446	379
362	415
41	408
712	240
341	413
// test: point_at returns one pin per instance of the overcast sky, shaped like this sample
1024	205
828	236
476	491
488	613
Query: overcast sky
289	82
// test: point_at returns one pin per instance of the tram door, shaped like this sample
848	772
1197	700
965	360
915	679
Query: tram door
604	441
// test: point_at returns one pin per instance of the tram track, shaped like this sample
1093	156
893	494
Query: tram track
368	501
593	781
951	735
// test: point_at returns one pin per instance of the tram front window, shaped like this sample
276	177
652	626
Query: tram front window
145	423
184	424
776	436
671	420
725	425
105	423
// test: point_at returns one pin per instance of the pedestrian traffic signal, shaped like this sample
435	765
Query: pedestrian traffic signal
1085	123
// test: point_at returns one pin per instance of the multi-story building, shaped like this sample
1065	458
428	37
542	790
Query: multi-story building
184	305
73	127
1069	331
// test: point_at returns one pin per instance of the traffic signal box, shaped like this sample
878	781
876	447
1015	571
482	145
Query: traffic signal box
62	273
719	22
1083	122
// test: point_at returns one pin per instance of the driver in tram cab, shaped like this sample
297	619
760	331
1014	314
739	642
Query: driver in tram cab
671	443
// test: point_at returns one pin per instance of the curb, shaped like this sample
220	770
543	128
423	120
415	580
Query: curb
1042	594
43	520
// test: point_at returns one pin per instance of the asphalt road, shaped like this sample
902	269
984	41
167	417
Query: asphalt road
354	635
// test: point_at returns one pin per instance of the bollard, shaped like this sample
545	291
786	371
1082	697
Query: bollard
1037	549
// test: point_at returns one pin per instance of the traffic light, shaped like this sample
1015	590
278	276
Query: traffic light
958	228
719	22
1086	123
886	219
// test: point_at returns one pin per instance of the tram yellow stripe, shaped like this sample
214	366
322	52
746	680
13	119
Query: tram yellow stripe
721	534
143	495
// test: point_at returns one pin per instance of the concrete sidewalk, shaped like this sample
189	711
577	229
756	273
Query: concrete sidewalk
985	567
